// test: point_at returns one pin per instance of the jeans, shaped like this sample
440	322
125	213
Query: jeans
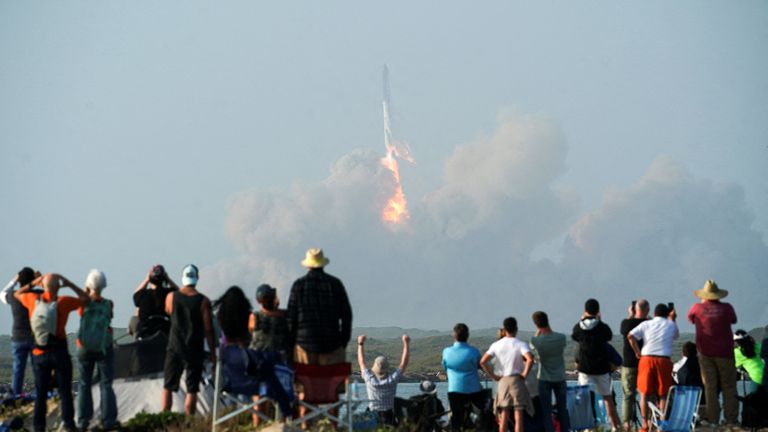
629	385
55	359
87	362
720	370
560	389
21	351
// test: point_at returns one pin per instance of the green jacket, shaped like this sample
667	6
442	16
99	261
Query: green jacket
754	366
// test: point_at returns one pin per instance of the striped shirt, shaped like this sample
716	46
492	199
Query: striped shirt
381	392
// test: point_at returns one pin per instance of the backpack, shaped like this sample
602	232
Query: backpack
43	321
94	332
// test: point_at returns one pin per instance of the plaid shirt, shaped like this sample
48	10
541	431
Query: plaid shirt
381	392
319	314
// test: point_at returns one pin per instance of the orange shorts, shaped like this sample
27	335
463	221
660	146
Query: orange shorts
654	375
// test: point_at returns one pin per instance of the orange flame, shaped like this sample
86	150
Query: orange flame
396	210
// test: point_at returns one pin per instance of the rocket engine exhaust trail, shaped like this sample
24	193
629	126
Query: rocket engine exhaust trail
396	209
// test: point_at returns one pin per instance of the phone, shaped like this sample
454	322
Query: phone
671	306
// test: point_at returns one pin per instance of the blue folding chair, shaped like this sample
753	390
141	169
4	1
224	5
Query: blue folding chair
579	402
244	372
680	411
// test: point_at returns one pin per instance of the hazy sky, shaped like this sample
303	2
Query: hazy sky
564	149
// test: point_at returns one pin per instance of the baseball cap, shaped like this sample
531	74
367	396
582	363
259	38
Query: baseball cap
189	275
265	290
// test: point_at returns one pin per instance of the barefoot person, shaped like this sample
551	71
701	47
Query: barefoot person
191	326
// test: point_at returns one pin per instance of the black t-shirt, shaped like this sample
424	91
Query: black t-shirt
151	302
630	359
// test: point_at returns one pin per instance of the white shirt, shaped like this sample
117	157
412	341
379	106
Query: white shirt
7	292
508	353
657	336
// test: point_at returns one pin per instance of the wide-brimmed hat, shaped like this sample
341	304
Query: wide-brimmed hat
428	387
710	291
315	259
380	367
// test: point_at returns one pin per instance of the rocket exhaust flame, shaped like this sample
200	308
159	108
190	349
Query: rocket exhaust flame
396	209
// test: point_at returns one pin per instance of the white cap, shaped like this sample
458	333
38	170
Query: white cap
189	275
96	280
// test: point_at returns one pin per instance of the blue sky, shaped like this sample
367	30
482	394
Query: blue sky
128	129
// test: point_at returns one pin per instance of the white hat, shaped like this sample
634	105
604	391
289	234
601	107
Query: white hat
189	275
96	280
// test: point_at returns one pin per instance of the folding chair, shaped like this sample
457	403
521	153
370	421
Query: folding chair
235	377
580	407
320	388
680	411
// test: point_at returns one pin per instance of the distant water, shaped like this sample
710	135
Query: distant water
406	390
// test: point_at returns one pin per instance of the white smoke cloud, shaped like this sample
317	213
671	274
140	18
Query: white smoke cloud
465	255
663	237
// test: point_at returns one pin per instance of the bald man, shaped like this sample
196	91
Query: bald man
51	354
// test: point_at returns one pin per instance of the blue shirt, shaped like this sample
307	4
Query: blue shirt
461	362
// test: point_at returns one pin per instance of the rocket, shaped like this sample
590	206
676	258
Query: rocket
394	147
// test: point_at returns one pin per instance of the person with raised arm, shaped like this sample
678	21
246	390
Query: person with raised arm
22	340
380	382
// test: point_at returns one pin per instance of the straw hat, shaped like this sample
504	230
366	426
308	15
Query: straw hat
380	367
315	259
710	291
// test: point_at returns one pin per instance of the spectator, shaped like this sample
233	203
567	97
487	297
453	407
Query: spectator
515	360
233	311
22	340
149	299
256	368
747	354
654	371
714	339
686	370
461	362
319	314
191	325
94	350
269	325
638	313
549	346
380	384
48	315
593	358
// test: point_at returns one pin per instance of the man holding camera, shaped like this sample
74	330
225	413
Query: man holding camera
638	313
149	298
654	370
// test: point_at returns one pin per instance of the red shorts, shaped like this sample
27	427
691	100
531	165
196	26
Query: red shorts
654	375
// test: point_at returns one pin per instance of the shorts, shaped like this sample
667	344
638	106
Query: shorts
602	383
336	356
175	364
654	375
512	393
